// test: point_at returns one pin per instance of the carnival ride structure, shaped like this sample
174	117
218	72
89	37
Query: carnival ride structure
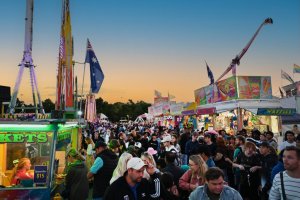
27	62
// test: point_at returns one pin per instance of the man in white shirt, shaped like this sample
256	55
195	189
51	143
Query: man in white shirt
289	138
290	177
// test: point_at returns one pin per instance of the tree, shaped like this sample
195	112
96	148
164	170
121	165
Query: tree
48	105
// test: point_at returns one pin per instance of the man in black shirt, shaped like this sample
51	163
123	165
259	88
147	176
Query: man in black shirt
132	185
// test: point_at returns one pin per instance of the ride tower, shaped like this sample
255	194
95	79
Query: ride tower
27	62
65	103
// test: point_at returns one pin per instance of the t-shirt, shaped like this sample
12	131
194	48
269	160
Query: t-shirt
212	196
285	144
291	187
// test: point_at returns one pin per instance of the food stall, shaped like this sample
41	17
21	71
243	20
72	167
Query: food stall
236	101
45	144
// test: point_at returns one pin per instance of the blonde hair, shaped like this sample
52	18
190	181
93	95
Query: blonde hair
22	162
198	160
149	157
121	167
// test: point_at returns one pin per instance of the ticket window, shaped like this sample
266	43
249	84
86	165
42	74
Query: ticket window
36	146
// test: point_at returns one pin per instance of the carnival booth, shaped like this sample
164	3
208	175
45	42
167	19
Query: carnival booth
236	101
45	144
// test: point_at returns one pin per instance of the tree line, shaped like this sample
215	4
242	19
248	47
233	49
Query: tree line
114	111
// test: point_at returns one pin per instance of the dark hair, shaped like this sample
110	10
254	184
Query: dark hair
270	133
204	149
293	148
213	173
241	138
288	132
167	179
170	157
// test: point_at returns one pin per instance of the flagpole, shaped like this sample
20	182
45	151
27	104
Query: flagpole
82	86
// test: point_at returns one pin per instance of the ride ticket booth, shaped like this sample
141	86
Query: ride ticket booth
44	144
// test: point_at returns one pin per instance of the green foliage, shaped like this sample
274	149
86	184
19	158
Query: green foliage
48	105
114	111
118	110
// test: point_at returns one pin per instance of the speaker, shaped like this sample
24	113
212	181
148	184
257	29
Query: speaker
57	114
4	93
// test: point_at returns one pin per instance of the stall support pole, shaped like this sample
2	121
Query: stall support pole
214	120
52	158
239	119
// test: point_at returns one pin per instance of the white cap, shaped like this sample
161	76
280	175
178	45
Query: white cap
138	145
135	163
167	138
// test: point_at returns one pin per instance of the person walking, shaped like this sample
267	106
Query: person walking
105	163
214	187
286	184
132	185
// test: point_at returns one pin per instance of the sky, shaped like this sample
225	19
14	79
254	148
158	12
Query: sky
147	45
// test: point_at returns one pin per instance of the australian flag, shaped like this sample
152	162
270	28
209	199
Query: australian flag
210	74
96	73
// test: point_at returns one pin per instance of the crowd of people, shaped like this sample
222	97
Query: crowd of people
134	161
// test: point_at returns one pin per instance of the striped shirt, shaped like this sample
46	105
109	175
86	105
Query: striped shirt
291	186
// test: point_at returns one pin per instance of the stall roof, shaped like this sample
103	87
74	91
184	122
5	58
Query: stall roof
249	104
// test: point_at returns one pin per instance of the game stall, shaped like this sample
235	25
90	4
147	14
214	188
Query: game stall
45	145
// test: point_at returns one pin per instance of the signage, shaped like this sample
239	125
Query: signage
188	112
276	111
23	137
40	174
206	111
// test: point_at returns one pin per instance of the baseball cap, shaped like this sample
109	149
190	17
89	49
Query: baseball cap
113	144
264	144
100	144
135	163
167	138
138	145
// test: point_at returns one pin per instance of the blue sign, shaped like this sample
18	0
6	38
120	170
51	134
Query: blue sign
40	174
276	111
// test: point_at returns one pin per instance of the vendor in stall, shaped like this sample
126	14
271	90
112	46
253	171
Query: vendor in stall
21	171
76	182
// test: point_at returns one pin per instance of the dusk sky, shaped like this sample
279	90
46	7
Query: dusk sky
147	45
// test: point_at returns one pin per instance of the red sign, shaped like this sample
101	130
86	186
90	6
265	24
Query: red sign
205	111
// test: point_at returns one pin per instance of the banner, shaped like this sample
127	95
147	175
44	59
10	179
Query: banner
276	111
221	91
189	109
176	109
227	89
254	87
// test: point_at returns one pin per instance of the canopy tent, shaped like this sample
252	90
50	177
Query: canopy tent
143	117
103	117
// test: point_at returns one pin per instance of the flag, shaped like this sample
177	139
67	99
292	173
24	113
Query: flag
96	73
285	75
296	68
157	93
281	93
210	74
